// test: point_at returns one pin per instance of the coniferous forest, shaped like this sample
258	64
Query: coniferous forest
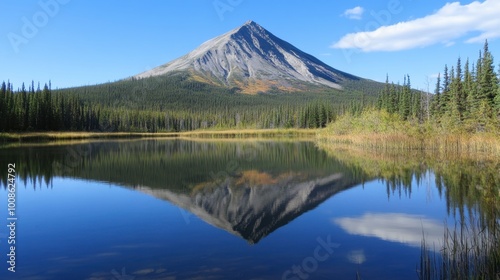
466	97
169	104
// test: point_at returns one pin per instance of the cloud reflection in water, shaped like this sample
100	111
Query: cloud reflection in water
356	256
395	227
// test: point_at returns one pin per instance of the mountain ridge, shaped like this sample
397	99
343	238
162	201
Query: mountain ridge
254	60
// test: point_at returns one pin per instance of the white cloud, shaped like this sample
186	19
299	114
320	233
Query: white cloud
395	227
449	44
354	13
451	22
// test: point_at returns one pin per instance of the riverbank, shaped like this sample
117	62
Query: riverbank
242	133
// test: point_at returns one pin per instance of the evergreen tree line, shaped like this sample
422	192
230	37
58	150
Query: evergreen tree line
312	115
466	97
404	101
39	109
469	96
30	109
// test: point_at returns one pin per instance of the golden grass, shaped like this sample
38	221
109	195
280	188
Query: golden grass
47	136
235	133
241	133
488	144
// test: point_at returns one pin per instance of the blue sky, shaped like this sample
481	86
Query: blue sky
76	42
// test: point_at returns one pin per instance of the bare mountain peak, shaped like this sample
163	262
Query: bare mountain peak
253	59
250	27
250	22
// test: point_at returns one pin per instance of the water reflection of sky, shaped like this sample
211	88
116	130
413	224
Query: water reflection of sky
356	256
90	230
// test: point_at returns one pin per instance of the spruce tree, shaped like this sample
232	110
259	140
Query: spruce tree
487	79
450	96
3	107
405	100
23	111
46	108
456	103
445	90
468	89
436	101
497	97
461	94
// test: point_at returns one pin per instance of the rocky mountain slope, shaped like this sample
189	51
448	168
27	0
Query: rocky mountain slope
254	60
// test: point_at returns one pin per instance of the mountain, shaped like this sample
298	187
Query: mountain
254	60
203	89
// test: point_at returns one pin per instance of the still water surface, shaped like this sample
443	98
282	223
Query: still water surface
228	209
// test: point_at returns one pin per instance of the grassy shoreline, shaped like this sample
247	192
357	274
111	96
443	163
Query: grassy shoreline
241	133
382	131
441	143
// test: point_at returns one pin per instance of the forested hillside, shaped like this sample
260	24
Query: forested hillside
172	103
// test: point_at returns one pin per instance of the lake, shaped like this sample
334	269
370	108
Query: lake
233	209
